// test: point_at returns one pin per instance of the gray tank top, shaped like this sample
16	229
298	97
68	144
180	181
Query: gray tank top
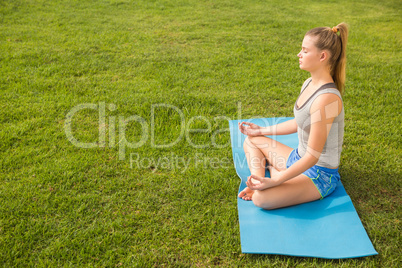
331	154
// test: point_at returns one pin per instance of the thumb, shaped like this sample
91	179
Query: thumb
258	178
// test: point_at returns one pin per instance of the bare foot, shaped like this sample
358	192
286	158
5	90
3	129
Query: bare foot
246	194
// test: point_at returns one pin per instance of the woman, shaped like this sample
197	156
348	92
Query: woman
309	172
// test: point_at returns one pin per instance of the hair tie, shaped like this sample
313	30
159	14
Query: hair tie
334	29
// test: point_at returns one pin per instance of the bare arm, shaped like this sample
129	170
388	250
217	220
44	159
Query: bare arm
323	112
284	128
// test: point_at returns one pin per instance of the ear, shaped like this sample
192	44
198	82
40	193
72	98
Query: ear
323	55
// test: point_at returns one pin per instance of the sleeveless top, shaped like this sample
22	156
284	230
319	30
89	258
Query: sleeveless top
331	154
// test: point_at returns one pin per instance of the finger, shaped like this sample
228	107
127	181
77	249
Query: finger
255	177
242	128
249	183
249	179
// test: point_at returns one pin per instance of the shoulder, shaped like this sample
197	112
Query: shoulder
328	103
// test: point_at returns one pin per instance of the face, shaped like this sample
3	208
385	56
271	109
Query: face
310	58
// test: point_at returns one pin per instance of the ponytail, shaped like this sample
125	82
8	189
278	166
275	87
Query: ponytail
329	39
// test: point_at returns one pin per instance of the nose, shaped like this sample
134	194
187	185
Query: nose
299	55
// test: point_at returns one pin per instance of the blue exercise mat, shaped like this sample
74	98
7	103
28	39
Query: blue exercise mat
328	228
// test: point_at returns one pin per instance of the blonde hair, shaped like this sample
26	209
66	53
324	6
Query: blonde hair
328	39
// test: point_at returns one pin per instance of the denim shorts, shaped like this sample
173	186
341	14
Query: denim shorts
325	179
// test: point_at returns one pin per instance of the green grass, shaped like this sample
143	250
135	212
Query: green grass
62	205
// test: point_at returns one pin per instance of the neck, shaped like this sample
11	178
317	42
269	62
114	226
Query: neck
321	77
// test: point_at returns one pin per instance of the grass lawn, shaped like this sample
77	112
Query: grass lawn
114	142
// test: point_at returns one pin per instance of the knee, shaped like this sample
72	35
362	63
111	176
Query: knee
250	139
256	200
248	142
262	201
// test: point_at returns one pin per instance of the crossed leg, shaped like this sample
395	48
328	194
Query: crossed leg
297	190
